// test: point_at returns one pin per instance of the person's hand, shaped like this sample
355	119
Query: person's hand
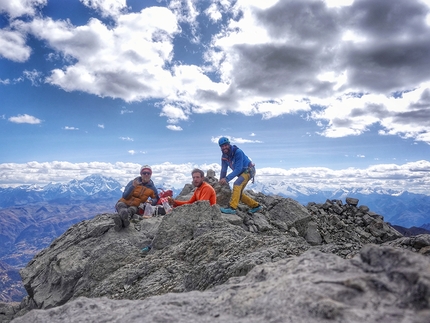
170	200
223	181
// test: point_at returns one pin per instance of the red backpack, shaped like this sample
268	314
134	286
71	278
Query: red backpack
163	194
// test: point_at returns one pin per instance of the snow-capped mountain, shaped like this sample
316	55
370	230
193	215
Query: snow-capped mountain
90	188
398	207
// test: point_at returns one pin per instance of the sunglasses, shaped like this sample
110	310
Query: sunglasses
146	173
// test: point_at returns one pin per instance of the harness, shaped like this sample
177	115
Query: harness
251	171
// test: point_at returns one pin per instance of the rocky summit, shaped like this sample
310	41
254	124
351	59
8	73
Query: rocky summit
330	262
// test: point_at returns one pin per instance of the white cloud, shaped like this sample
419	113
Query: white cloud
101	126
132	152
126	61
332	60
126	138
35	77
236	140
17	8
13	47
126	111
411	176
70	128
213	12
107	8
173	113
174	128
25	118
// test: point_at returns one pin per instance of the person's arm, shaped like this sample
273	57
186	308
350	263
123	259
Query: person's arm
238	165
128	190
224	166
191	200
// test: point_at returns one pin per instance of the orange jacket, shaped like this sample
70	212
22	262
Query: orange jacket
137	192
202	193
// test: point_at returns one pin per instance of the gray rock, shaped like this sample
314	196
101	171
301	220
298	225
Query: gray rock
351	201
289	212
381	284
313	237
199	251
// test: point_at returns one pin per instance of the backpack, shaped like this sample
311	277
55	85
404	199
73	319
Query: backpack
163	194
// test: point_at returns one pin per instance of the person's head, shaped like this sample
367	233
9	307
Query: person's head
224	144
198	177
145	173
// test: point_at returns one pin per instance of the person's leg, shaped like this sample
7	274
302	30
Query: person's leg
125	212
238	187
253	204
249	201
121	208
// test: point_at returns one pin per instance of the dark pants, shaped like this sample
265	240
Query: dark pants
121	208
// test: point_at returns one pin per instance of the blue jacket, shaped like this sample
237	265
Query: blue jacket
236	160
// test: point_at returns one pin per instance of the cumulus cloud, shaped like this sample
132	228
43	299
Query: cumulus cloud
71	128
126	138
348	66
101	126
125	61
412	176
13	46
25	118
17	8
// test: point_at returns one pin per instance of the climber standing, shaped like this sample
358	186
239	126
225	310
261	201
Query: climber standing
242	168
137	191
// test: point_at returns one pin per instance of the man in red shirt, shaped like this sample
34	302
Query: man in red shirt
204	191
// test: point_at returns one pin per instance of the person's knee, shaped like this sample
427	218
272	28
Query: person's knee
239	181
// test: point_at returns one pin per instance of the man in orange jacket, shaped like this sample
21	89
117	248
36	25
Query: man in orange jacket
203	192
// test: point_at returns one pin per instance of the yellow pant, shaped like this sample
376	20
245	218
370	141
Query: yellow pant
238	195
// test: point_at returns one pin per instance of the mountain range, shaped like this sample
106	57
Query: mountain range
91	188
398	207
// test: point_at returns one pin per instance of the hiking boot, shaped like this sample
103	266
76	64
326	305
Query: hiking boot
124	217
255	209
118	222
228	210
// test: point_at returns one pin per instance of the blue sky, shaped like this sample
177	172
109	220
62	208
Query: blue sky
317	93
